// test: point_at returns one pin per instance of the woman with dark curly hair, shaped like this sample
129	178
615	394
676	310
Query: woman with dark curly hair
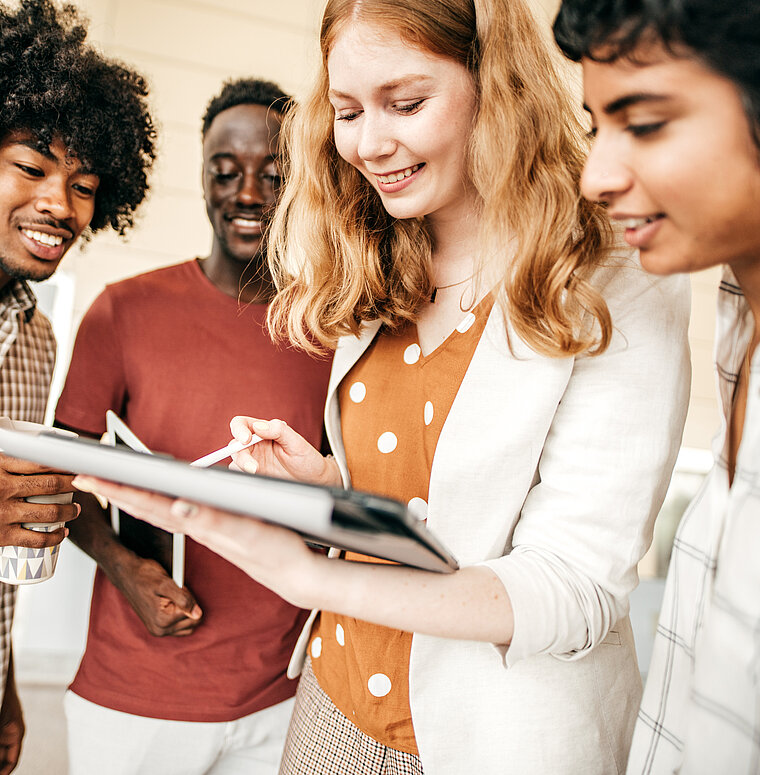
673	89
76	145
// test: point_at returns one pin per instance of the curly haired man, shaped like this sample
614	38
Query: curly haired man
76	146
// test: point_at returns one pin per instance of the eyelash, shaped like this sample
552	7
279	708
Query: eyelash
33	171
407	110
642	130
411	108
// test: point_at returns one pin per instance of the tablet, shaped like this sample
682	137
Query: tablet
345	519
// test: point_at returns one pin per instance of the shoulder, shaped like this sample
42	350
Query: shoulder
622	281
161	279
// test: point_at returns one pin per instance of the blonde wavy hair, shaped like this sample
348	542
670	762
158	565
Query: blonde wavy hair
339	259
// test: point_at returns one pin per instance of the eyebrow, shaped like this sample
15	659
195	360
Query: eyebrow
33	145
629	100
407	80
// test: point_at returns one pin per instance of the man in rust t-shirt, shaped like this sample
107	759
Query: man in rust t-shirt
178	352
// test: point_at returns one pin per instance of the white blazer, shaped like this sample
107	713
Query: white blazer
550	471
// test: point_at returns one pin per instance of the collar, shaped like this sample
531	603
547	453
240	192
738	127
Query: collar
19	296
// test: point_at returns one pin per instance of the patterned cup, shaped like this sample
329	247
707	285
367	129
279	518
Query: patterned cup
22	564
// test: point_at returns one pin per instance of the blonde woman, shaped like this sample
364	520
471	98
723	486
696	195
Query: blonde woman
498	367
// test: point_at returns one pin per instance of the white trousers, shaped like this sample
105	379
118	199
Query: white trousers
108	742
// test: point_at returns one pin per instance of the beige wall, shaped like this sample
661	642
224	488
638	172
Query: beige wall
186	48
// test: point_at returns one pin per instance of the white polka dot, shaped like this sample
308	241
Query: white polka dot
340	635
387	442
316	648
466	323
357	392
412	354
428	412
418	507
379	685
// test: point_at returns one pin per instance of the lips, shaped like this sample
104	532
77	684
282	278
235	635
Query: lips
640	230
45	242
391	182
246	224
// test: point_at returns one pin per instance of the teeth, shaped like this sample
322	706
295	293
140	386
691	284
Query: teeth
635	223
46	239
394	177
247	222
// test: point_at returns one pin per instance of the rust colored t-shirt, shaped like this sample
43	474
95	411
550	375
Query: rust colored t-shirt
177	359
393	404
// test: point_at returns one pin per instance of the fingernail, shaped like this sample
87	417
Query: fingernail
196	612
65	532
183	509
79	509
250	466
260	425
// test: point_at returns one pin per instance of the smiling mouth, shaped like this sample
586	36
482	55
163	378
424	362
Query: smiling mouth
49	240
394	177
637	223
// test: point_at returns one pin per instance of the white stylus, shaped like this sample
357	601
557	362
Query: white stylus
220	454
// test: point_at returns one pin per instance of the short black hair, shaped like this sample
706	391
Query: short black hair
725	36
246	91
53	85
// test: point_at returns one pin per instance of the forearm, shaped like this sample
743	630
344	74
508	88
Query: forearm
471	604
93	534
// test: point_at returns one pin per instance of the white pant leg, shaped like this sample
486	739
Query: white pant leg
107	742
254	743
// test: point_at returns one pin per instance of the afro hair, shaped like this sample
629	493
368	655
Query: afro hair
53	85
246	91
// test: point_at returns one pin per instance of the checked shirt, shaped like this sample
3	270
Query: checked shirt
701	707
27	357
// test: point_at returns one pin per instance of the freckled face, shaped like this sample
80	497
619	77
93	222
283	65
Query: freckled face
403	117
674	158
47	199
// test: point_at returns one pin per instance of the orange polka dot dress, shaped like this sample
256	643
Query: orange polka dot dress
393	404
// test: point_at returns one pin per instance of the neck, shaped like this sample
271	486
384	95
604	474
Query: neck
249	282
456	239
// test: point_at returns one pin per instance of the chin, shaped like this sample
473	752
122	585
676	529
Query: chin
23	270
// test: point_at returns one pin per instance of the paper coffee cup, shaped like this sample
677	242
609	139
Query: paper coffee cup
23	564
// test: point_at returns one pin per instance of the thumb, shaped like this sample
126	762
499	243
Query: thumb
182	598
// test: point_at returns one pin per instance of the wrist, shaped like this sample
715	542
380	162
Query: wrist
304	585
118	563
332	476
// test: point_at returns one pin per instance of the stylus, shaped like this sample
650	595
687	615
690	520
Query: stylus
221	454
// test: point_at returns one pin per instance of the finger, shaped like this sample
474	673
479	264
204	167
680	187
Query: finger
245	461
148	506
16	466
43	513
24	486
33	539
241	428
181	598
184	632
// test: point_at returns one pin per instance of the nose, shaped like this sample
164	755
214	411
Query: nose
251	193
606	173
375	139
55	199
